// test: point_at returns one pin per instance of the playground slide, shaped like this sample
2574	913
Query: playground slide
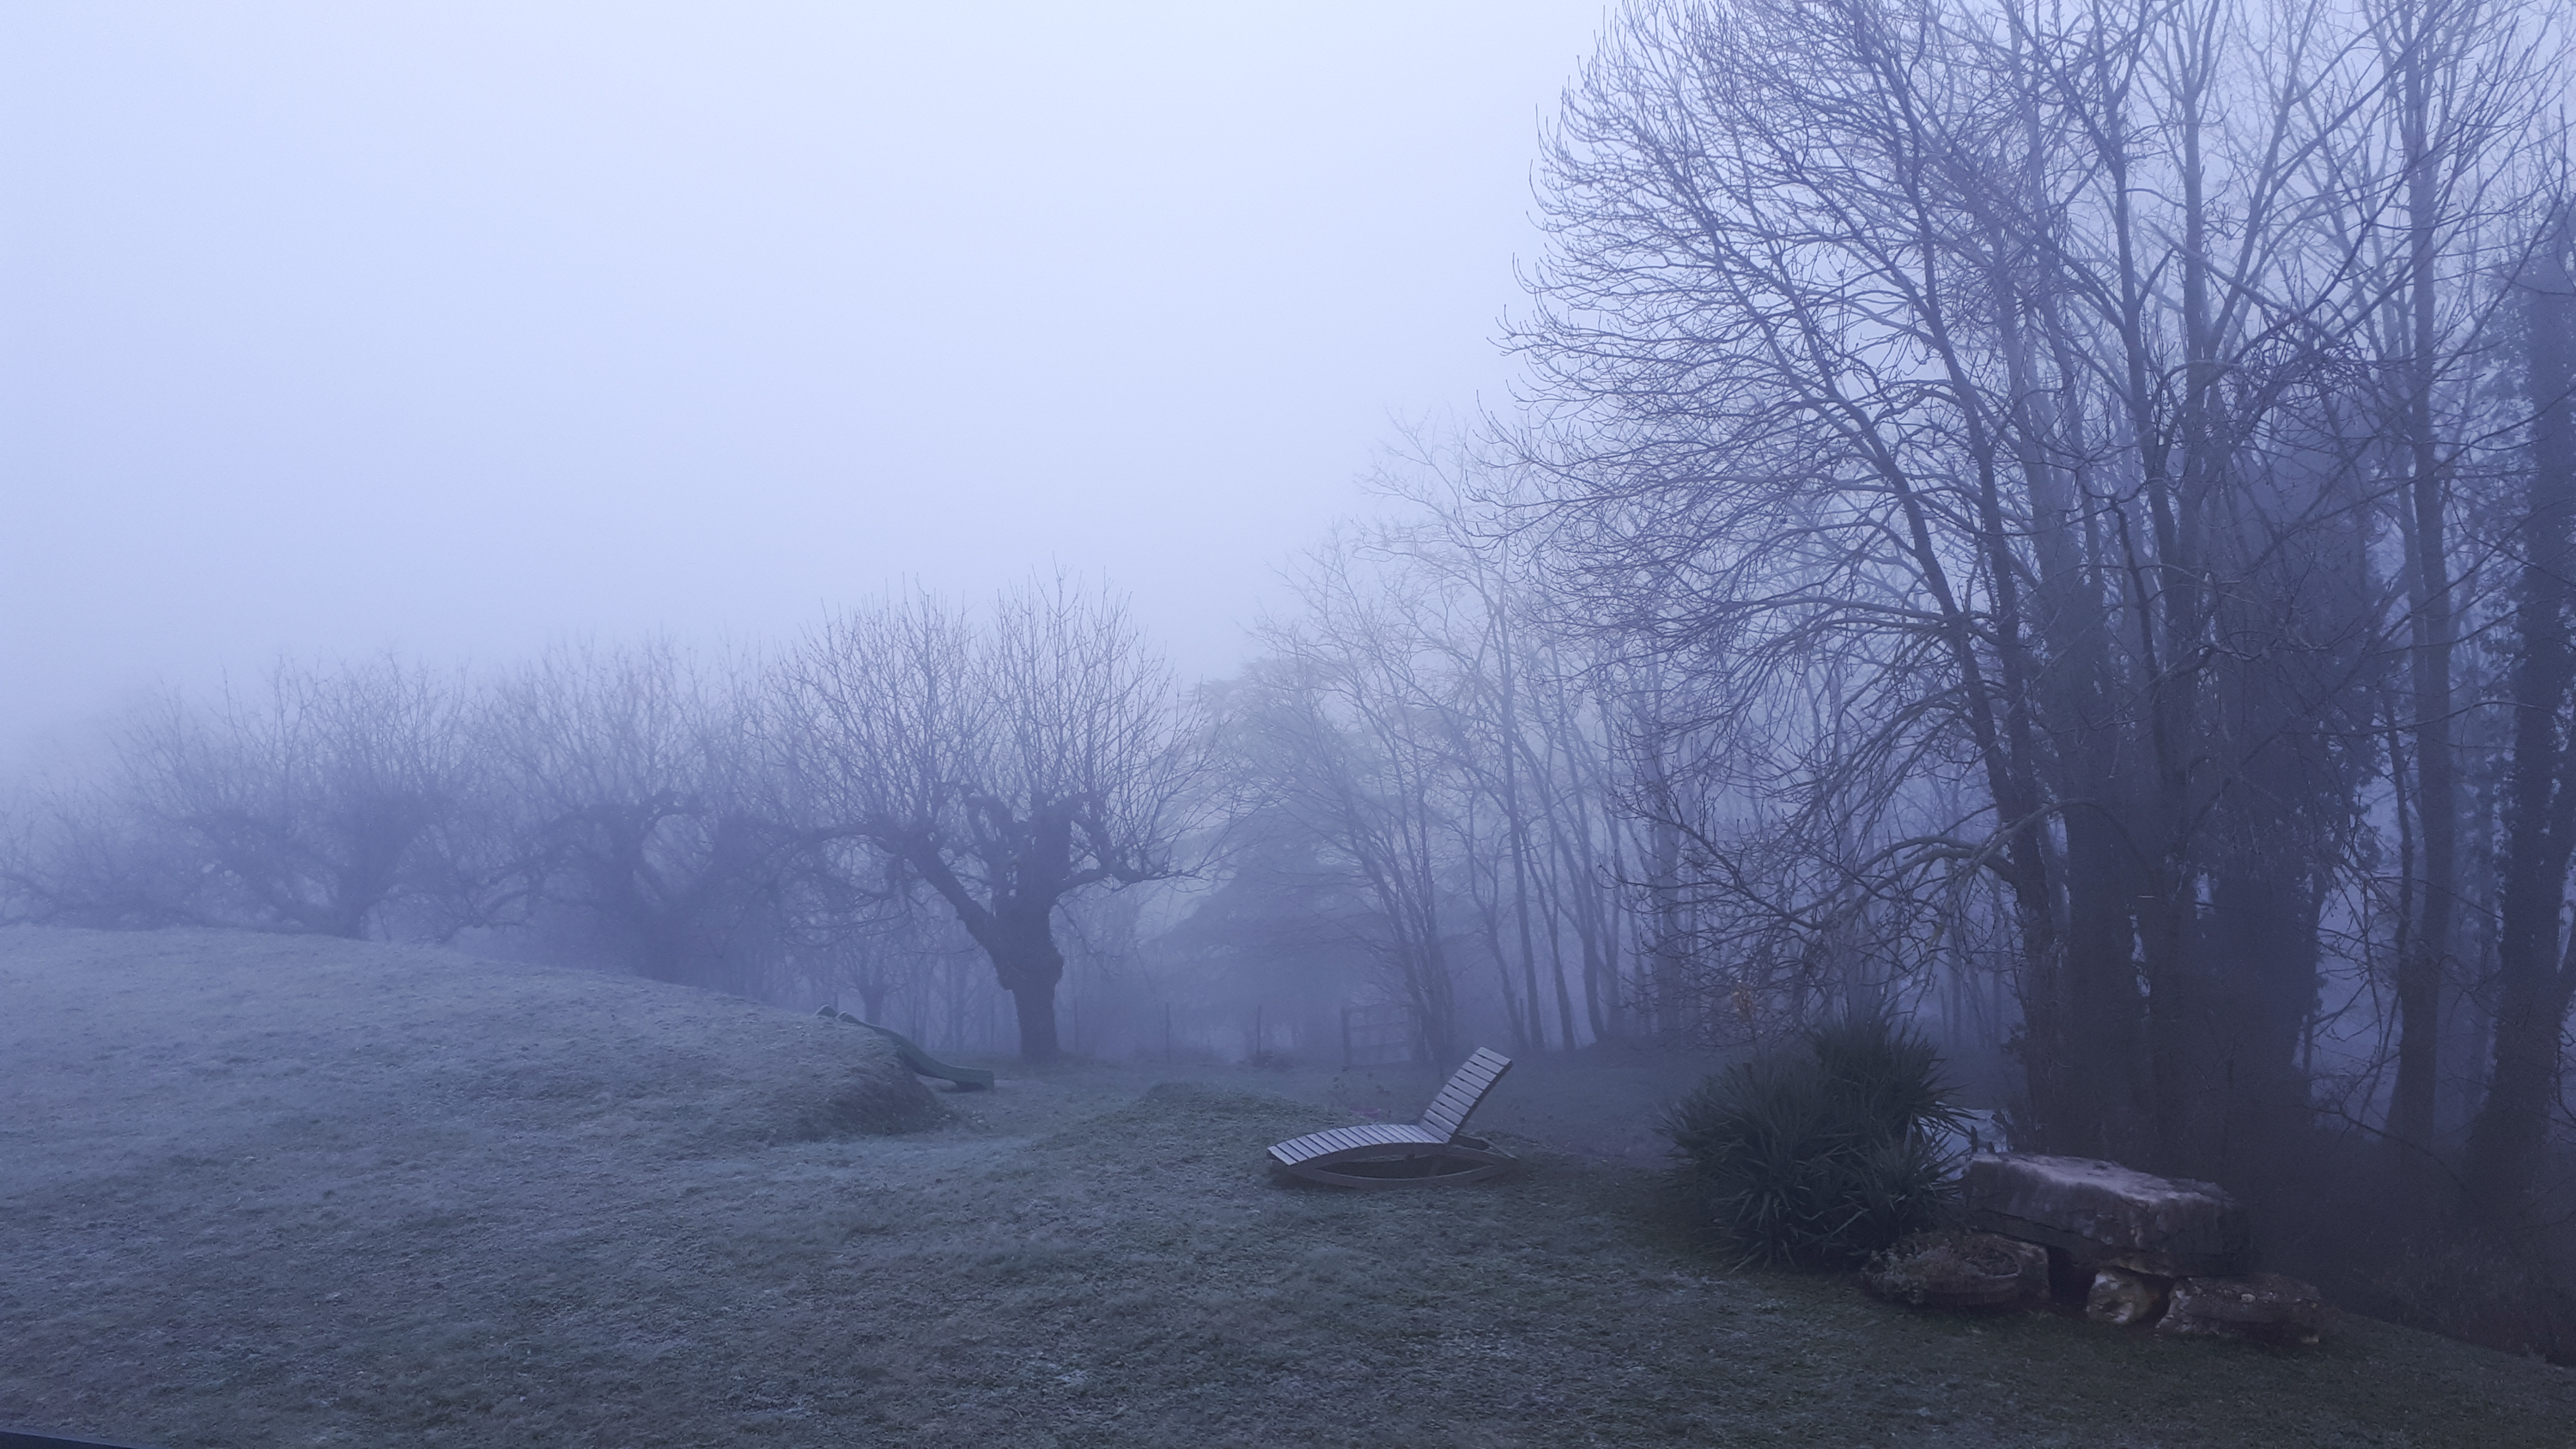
922	1063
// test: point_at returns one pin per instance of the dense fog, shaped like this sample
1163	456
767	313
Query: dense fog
467	327
2058	525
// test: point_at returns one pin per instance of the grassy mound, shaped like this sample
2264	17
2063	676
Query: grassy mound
184	1045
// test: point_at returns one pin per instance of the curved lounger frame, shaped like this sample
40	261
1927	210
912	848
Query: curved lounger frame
1429	1153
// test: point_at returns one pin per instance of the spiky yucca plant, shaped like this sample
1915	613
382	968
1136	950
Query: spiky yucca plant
1821	1158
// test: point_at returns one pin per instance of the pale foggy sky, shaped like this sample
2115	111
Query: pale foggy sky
459	327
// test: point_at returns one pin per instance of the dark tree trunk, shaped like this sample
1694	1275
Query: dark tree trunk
2098	1077
1016	927
2261	936
1440	1009
1021	946
2182	1008
1035	1002
2420	960
1666	959
2102	1076
2533	978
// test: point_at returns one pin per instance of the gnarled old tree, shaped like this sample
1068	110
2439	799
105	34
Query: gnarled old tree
1005	763
2009	390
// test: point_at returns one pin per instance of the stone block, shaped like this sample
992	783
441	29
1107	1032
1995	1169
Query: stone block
1959	1270
2101	1214
2266	1306
2122	1297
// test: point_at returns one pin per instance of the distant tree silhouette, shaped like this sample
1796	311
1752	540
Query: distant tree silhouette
1005	763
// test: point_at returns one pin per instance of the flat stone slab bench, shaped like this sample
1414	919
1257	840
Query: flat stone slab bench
2101	1214
2148	1252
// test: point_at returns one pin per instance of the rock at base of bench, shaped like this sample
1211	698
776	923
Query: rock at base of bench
2122	1297
1959	1270
2264	1306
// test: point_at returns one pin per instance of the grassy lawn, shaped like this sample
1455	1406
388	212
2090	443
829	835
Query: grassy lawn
264	1191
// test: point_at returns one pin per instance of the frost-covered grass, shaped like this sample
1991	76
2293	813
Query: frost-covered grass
258	1191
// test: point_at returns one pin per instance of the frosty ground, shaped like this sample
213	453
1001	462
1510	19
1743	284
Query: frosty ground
277	1191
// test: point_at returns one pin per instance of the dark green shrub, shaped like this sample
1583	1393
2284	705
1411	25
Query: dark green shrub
1822	1157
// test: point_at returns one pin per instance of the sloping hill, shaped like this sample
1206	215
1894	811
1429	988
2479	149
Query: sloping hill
230	1158
258	1191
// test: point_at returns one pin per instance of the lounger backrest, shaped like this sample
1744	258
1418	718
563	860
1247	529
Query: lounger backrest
1449	1111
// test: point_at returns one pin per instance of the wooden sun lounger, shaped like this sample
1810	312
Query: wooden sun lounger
1407	1154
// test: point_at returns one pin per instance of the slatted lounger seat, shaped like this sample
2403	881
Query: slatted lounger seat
1407	1154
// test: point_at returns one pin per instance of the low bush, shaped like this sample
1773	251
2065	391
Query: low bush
1823	1157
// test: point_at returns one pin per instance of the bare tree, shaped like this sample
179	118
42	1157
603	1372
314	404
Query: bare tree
640	813
1419	721
77	853
1005	764
318	803
1349	732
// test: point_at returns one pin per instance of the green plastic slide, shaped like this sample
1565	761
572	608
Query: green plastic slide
922	1063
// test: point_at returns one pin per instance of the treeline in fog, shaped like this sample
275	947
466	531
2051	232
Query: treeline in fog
903	787
936	813
1415	799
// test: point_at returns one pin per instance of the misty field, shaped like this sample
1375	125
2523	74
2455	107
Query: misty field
266	1190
